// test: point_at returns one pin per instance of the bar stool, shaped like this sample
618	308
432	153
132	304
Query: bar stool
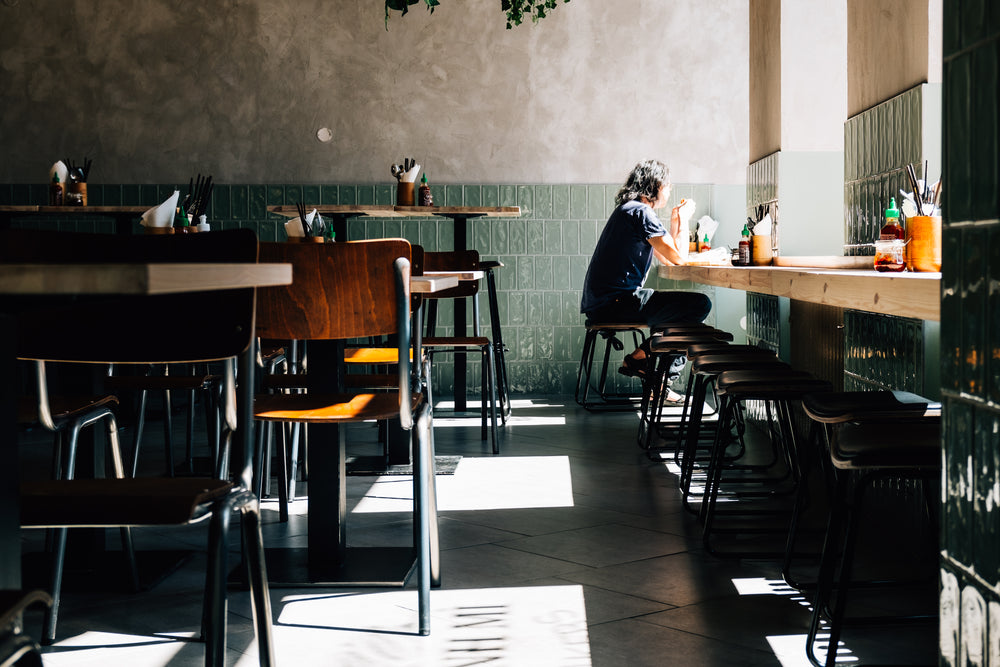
704	370
778	387
867	436
609	331
665	346
499	348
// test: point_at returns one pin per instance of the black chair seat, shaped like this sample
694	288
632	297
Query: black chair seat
133	501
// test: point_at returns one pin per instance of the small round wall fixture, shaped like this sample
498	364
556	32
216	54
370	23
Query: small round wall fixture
324	134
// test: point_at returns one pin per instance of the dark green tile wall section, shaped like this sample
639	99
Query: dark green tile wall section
883	352
970	336
545	253
878	144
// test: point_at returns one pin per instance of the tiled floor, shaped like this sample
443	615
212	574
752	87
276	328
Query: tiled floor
570	548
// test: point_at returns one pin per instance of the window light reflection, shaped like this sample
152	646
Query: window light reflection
481	483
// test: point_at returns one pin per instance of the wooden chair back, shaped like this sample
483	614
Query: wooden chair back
461	260
338	290
187	327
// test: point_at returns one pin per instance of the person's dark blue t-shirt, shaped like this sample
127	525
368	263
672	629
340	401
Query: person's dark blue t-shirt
622	256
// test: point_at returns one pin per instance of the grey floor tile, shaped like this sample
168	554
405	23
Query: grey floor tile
599	546
634	643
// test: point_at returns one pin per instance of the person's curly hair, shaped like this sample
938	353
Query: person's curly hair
645	181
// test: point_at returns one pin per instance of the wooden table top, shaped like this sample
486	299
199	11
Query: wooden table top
915	295
153	278
388	211
106	210
426	284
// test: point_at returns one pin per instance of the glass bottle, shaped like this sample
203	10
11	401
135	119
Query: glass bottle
55	191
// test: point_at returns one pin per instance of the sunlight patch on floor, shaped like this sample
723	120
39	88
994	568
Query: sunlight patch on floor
109	648
481	483
533	625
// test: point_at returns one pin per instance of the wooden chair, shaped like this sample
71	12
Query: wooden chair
453	345
192	327
343	291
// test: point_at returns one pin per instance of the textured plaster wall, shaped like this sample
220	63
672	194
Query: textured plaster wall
155	90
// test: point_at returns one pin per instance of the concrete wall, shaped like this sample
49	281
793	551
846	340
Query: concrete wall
155	91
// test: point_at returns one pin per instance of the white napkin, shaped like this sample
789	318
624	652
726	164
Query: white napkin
294	228
763	228
62	170
411	175
707	226
162	215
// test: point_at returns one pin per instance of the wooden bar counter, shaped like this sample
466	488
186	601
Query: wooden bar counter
916	295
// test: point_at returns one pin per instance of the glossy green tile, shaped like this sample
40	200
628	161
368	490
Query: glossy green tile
366	195
329	194
597	207
570	237
517	238
560	273
347	194
958	131
985	538
508	195
385	194
958	513
526	200
983	152
472	195
543	272
578	201
973	321
221	207
993	316
490	195
552	231
543	201
239	200
454	195
258	202
311	195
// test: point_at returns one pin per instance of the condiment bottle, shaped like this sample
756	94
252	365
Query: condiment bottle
55	191
891	230
705	245
745	247
425	198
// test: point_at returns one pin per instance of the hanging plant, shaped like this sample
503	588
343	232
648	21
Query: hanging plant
515	10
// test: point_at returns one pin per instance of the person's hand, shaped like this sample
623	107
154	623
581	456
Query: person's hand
675	219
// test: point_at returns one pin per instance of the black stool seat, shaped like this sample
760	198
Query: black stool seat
715	364
887	445
764	384
609	331
723	347
839	407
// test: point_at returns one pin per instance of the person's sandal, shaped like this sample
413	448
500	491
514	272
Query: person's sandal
633	368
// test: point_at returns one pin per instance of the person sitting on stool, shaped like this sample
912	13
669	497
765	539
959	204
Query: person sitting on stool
613	290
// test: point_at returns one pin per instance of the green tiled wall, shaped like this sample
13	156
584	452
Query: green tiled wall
970	336
545	253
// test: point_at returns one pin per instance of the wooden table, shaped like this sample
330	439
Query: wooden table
96	279
123	216
459	215
916	295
